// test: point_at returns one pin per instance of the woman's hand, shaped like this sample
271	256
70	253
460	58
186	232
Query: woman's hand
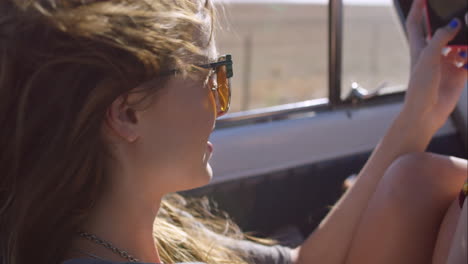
436	82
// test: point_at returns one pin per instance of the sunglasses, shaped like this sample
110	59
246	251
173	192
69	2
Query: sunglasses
219	81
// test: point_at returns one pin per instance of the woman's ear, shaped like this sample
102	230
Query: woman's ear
122	120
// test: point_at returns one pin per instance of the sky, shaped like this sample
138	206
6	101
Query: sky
351	2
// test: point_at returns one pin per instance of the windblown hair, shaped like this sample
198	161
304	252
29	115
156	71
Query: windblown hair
62	63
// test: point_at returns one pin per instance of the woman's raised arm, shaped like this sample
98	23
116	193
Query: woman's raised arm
433	91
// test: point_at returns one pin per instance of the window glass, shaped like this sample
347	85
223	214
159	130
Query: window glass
279	49
375	49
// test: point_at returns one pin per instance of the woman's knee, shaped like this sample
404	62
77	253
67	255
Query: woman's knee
426	179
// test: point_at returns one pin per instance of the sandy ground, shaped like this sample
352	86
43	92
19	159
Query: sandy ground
280	51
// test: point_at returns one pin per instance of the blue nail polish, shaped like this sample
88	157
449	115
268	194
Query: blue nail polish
463	54
454	23
466	66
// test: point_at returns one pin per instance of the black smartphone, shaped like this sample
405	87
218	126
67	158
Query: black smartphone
438	14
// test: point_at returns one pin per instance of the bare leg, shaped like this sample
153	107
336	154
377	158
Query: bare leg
459	250
446	232
402	220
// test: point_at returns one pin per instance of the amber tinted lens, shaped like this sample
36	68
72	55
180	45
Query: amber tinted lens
224	89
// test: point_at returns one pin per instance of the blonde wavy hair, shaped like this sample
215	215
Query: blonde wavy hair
62	63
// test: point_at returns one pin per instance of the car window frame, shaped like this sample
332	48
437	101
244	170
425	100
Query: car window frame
315	106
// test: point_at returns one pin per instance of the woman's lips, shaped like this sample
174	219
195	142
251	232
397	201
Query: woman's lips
210	146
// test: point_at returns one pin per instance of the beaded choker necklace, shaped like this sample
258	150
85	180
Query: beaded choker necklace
108	245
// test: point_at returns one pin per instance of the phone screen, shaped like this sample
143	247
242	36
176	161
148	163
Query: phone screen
441	12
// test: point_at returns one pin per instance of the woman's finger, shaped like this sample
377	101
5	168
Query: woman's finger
462	58
440	40
444	35
456	57
414	27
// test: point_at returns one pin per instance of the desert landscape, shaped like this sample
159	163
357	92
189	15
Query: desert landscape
280	50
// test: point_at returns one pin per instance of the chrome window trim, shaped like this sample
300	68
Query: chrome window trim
272	113
299	109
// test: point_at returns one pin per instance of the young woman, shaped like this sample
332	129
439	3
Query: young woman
106	108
